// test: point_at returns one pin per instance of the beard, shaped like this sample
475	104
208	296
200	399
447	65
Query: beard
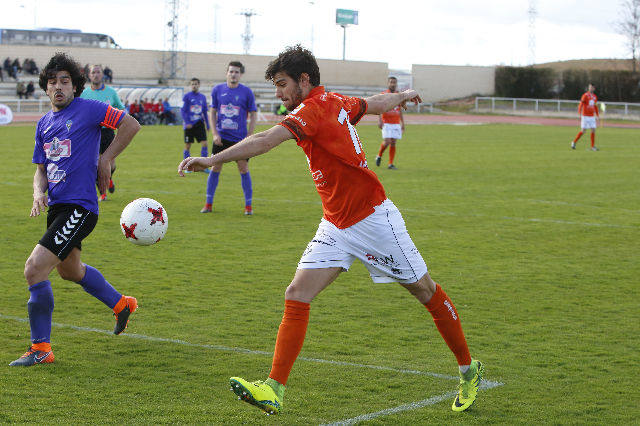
296	99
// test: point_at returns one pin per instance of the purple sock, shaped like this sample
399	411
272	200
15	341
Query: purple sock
186	153
40	307
95	284
212	184
246	187
204	151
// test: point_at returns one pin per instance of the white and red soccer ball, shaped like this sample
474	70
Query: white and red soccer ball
144	221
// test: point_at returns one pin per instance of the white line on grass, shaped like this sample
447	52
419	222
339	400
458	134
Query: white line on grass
486	384
242	350
407	407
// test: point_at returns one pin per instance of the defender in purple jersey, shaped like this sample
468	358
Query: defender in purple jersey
68	162
231	103
194	119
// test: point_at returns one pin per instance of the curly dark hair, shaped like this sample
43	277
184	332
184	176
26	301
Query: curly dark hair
62	62
294	61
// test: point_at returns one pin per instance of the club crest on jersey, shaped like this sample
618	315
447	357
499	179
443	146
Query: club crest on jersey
57	149
68	124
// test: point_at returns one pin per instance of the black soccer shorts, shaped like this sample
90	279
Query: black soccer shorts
106	137
67	226
197	132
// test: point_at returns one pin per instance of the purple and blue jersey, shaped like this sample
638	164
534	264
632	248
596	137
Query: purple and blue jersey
68	144
233	106
194	109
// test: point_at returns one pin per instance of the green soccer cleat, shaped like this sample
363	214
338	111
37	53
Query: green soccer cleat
257	393
468	388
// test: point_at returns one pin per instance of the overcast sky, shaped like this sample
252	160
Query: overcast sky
399	32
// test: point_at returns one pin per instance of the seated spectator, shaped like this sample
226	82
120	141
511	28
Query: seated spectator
127	108
30	90
157	109
21	89
134	110
108	75
31	67
16	68
7	66
167	113
147	106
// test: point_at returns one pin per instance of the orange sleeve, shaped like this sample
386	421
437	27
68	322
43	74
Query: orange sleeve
357	108
112	117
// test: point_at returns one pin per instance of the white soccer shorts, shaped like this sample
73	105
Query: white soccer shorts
391	131
588	122
380	241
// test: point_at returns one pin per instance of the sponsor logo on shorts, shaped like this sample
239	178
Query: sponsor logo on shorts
386	261
68	227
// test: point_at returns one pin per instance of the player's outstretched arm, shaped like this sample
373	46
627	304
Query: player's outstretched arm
127	129
40	184
377	104
251	146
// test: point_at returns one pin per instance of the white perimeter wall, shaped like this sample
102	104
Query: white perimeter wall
442	82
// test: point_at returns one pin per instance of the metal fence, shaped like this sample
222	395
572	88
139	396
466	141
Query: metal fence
552	106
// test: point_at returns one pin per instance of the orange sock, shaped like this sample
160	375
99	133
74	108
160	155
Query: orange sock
290	339
448	323
44	346
593	139
580	133
392	153
382	148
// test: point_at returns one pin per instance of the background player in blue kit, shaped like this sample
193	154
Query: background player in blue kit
67	161
231	102
194	118
103	93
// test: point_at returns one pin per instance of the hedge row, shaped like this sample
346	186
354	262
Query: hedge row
545	83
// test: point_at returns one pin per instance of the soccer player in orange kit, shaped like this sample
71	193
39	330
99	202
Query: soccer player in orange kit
359	221
392	124
587	108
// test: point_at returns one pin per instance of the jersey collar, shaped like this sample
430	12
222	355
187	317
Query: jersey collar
316	91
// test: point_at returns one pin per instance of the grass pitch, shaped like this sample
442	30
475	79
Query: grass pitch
536	244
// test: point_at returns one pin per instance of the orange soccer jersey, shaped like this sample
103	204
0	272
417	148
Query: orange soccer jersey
323	126
588	105
392	116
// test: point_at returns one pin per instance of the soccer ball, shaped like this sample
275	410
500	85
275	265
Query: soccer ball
144	221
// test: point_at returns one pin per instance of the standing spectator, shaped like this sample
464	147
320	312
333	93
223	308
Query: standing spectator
108	75
30	89
7	66
1	74
231	104
21	90
100	92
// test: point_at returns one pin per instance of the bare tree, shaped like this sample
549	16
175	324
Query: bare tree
629	26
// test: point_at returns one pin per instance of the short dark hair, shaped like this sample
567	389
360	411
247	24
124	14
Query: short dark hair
391	77
294	61
236	64
195	79
62	62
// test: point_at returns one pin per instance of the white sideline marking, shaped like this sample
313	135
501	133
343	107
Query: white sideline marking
407	407
486	384
242	350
